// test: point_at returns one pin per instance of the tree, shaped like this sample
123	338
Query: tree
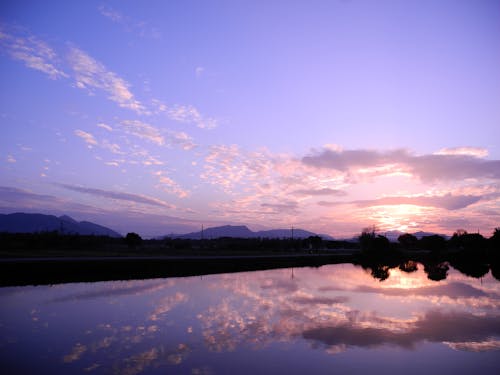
434	243
133	240
408	241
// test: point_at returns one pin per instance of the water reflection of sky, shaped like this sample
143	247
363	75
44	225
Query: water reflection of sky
294	321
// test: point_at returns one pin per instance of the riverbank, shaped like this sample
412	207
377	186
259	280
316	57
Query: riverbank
55	270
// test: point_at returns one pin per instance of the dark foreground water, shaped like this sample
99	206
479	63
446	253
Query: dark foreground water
335	319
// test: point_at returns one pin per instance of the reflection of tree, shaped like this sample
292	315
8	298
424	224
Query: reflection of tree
380	272
495	270
436	271
408	266
470	267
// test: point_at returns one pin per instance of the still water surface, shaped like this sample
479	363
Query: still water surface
336	319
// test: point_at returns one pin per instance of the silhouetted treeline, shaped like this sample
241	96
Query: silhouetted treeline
55	241
470	253
371	244
461	242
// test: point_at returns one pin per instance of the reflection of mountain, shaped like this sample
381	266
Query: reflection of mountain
242	231
31	223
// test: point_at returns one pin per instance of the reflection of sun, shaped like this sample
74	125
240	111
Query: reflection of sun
404	280
400	217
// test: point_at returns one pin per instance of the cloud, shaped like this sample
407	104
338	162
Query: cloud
11	159
320	192
87	137
110	13
448	201
136	198
143	130
427	167
189	114
181	139
15	200
35	53
141	28
280	207
170	186
199	71
471	151
91	74
105	126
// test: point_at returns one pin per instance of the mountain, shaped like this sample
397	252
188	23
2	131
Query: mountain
30	223
242	231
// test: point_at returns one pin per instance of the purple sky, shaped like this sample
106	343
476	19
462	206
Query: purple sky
326	115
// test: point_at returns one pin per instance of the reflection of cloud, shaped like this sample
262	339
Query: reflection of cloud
280	285
167	304
77	351
306	300
452	290
475	346
116	289
435	326
138	362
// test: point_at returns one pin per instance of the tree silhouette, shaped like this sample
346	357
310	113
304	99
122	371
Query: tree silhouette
408	241
133	240
434	243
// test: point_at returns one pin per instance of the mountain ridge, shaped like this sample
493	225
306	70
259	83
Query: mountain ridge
242	231
20	222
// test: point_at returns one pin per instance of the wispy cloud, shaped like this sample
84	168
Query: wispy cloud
26	200
320	192
181	139
189	114
105	126
141	28
136	198
90	74
168	185
111	13
143	130
35	53
199	71
87	137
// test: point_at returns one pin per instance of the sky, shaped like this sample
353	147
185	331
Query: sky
332	116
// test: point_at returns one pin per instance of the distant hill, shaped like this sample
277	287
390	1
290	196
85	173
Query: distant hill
31	223
242	231
393	235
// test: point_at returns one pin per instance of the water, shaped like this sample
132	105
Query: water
335	319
